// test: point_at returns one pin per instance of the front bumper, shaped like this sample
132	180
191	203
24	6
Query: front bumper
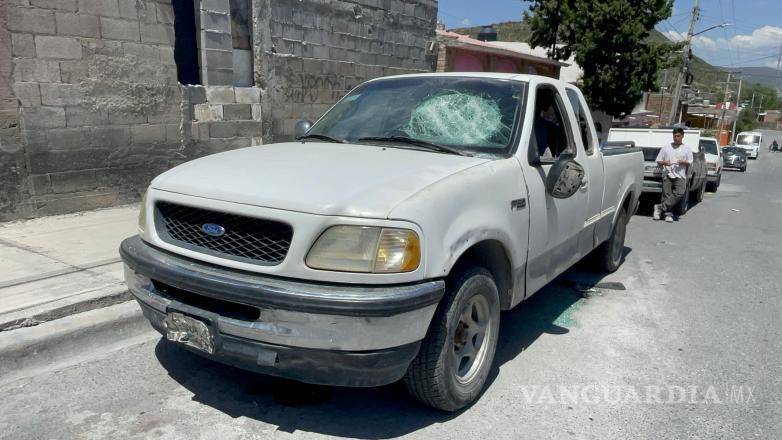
312	332
734	165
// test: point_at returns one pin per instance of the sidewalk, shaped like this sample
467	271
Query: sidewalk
62	265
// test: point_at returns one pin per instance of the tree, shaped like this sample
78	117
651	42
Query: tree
610	41
748	120
765	97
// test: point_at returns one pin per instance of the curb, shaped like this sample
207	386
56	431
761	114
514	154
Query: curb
25	352
105	296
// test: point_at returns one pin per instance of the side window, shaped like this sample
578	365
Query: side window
583	124
551	134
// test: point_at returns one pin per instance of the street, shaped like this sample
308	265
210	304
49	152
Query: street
681	342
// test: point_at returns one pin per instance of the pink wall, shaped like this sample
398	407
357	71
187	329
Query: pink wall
505	65
465	62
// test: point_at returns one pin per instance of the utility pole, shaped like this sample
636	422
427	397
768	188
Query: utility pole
684	69
738	111
725	103
779	72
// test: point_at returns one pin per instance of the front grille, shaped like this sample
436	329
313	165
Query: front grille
246	239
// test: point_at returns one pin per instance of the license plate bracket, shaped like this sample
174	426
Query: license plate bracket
189	331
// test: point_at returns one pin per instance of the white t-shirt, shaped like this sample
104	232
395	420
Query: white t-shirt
675	154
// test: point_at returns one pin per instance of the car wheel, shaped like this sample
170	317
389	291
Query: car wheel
684	203
456	355
611	254
712	186
744	168
700	192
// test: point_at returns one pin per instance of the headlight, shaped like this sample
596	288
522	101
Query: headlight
366	249
142	214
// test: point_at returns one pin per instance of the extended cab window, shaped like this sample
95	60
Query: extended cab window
551	134
583	121
474	115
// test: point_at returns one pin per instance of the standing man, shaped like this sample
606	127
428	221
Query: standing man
674	158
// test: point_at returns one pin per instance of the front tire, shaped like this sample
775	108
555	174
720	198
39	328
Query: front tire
455	358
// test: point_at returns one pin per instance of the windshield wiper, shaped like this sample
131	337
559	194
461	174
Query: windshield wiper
417	142
321	137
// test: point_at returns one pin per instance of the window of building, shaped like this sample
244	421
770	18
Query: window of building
185	45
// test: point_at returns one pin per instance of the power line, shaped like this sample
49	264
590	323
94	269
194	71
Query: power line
752	59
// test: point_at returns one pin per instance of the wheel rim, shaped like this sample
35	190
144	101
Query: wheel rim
470	339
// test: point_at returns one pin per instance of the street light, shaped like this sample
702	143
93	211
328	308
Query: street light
676	97
713	27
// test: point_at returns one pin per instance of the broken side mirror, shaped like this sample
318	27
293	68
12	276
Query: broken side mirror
302	127
565	177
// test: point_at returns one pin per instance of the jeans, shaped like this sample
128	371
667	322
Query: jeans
673	191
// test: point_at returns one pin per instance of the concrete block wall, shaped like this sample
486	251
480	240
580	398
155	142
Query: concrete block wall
225	118
214	42
99	102
316	51
94	110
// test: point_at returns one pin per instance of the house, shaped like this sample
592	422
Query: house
461	53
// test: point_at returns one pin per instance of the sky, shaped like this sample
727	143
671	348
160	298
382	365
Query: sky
754	39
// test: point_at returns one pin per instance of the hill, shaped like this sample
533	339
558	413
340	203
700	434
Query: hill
761	75
706	76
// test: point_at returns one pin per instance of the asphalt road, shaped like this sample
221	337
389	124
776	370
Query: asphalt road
690	349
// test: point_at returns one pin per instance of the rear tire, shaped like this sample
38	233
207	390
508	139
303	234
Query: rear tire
684	203
611	254
700	192
456	356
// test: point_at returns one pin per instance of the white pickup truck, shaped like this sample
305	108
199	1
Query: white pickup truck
384	243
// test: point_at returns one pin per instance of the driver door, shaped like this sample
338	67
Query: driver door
555	223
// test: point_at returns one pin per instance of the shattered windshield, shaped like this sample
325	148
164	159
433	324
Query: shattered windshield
473	115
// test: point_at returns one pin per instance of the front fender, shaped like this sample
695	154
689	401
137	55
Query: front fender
469	207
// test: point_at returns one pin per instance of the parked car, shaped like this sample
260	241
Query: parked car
750	141
385	242
735	158
713	162
651	140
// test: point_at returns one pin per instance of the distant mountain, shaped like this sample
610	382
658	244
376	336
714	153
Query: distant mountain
760	75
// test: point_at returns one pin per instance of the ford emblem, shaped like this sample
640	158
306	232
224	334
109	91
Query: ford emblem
213	230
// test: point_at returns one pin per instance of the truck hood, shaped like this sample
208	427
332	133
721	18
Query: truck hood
314	177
